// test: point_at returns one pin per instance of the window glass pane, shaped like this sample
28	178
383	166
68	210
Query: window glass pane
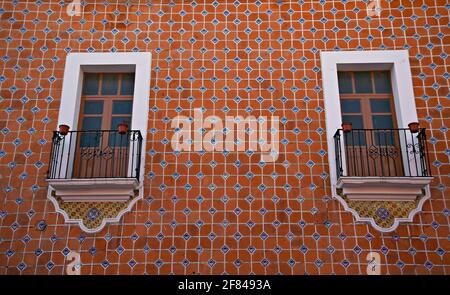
356	137
90	84
116	139
382	122
384	137
357	121
91	139
382	82
345	82
93	107
127	87
380	105
92	123
122	107
351	106
110	84
363	82
119	140
117	120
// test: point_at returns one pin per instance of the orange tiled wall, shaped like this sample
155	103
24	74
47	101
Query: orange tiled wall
301	230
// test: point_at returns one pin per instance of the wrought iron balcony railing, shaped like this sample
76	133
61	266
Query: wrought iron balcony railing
381	153
95	154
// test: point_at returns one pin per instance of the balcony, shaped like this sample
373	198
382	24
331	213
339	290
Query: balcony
382	164
95	165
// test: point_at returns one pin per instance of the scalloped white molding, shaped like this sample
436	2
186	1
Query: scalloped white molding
397	221
76	65
80	223
397	61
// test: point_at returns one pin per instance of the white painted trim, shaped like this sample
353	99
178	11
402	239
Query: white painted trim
78	63
397	61
98	189
357	188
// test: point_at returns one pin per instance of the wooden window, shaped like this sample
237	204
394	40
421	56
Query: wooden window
367	102
107	100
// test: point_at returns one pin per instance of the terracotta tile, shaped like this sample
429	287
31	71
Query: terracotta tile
246	221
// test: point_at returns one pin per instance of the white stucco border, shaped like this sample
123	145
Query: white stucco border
76	65
397	61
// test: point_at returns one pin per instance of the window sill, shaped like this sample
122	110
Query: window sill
95	189
382	188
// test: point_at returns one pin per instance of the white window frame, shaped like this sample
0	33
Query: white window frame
79	63
76	65
397	61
